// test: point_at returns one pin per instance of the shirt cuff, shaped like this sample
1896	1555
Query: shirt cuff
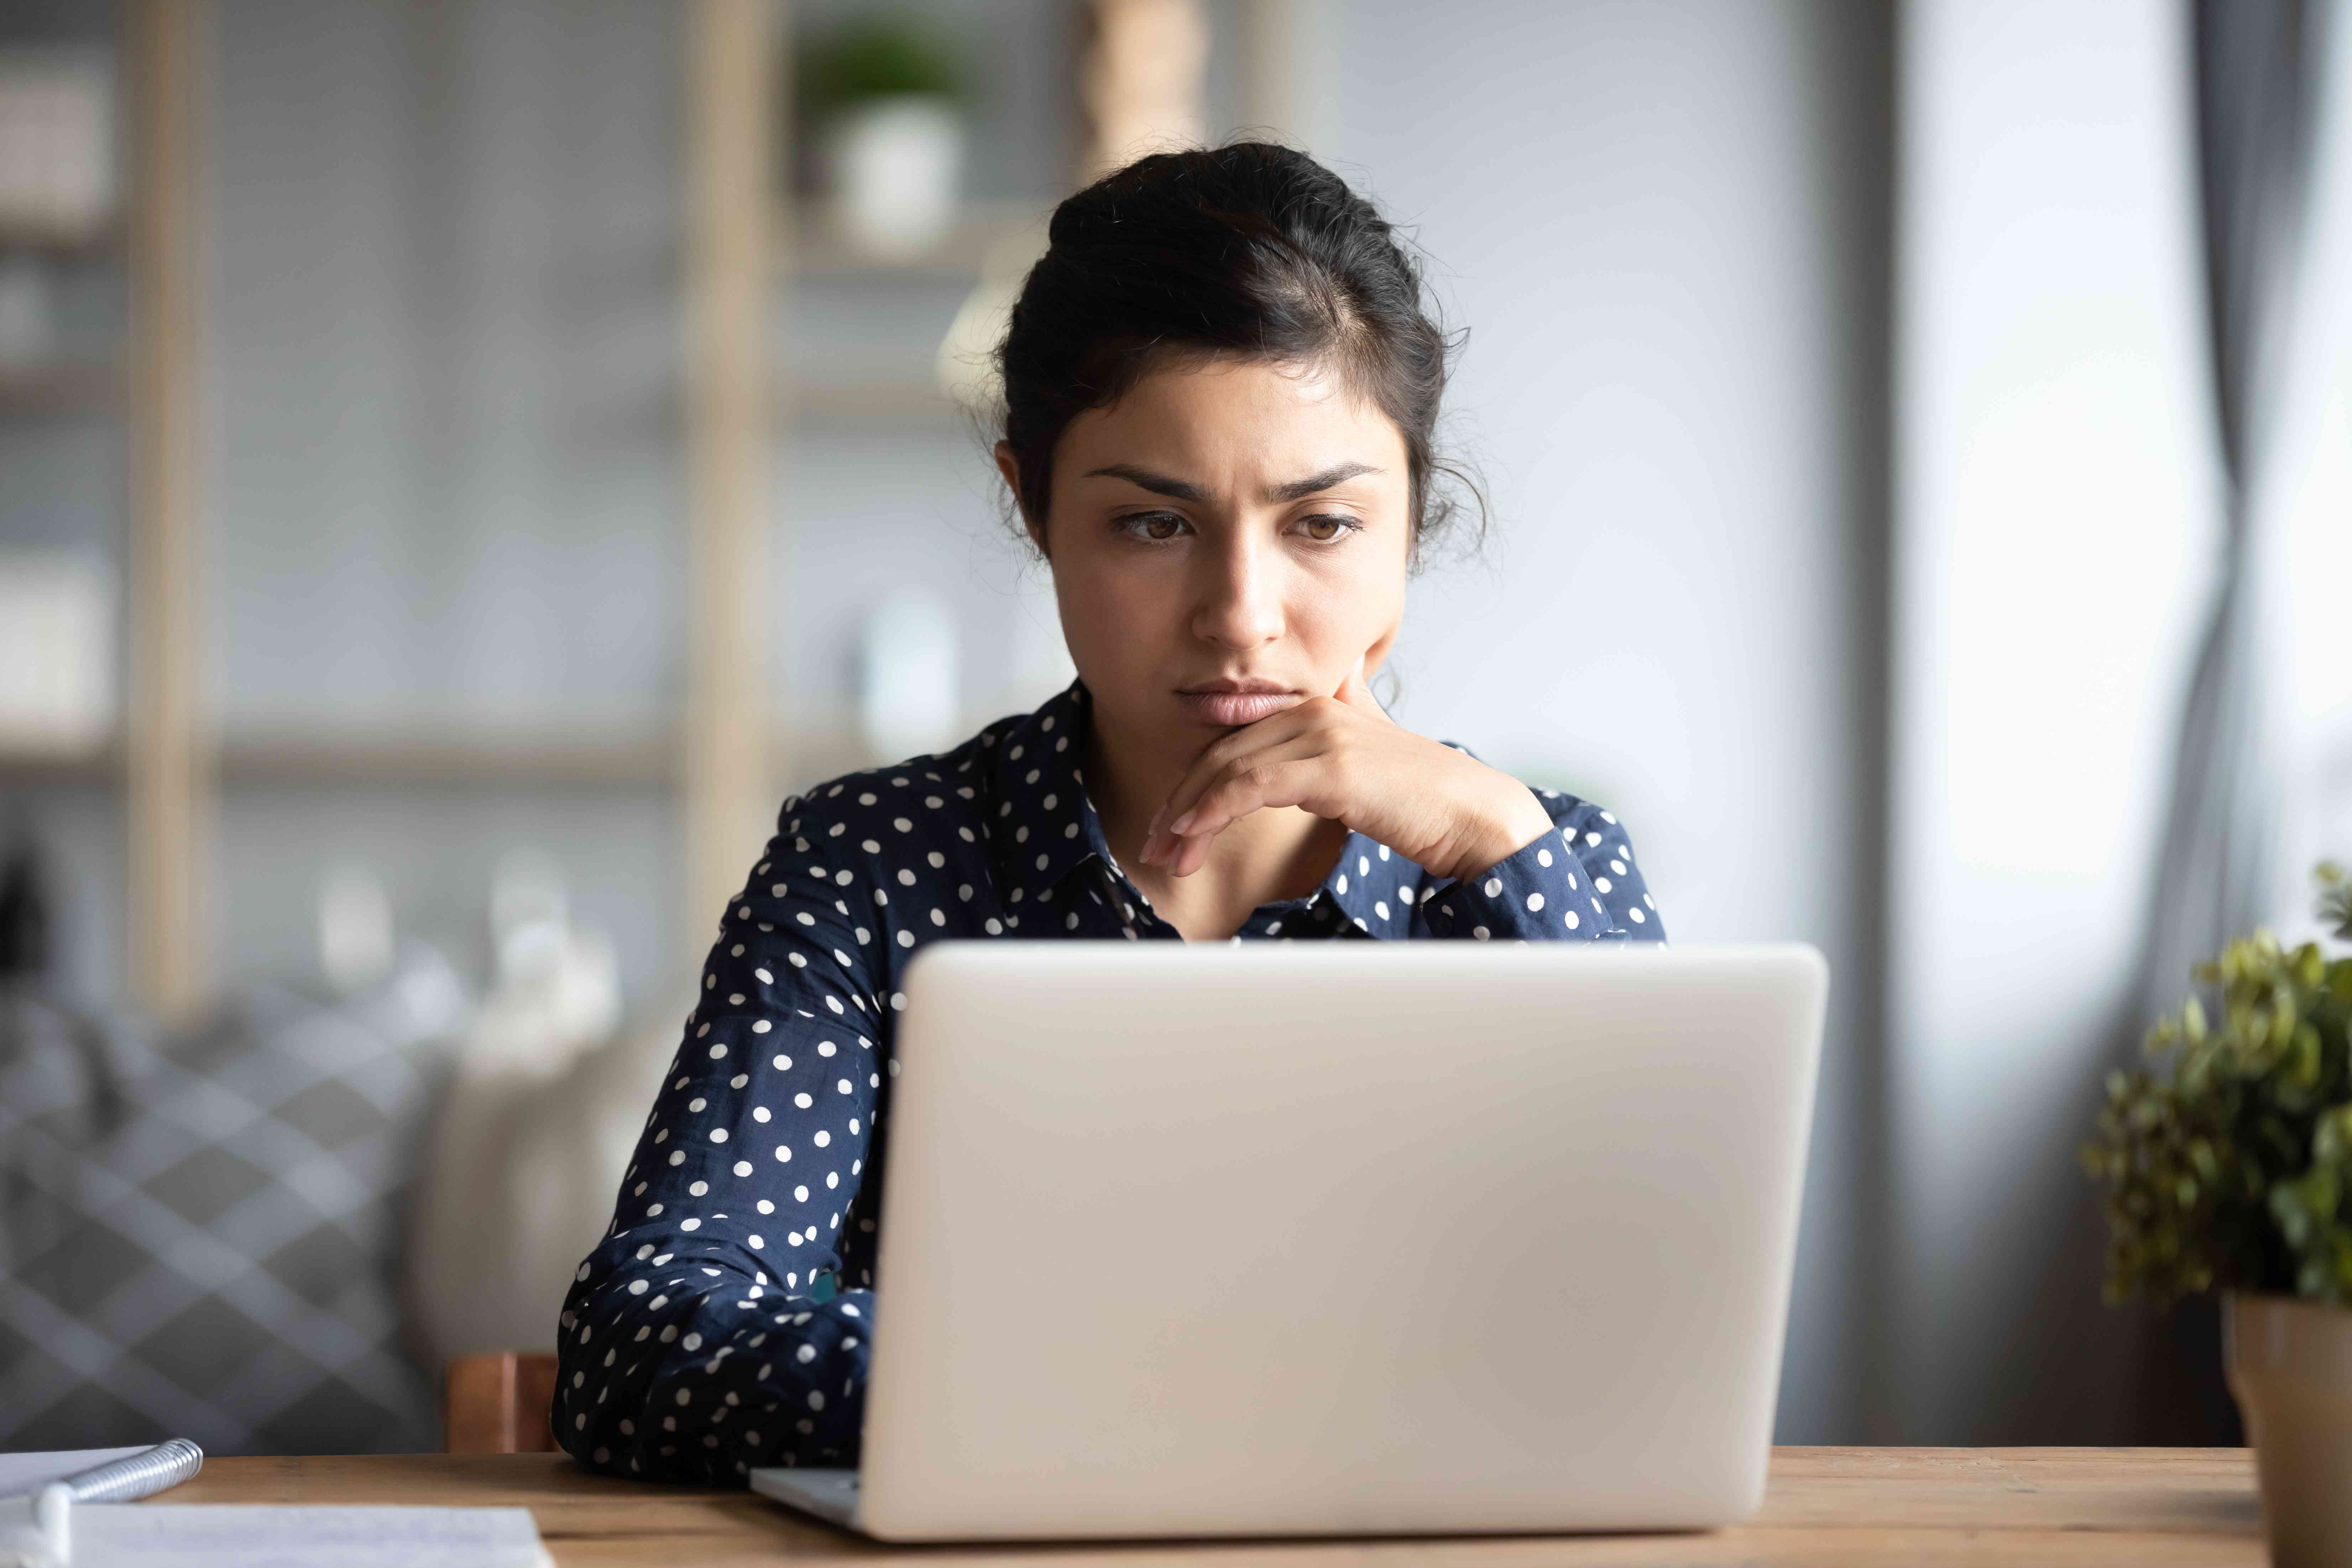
1537	893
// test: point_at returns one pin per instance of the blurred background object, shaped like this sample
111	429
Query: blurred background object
57	653
460	465
885	97
57	137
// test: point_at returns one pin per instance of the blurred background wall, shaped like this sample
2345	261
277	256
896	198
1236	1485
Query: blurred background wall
1836	371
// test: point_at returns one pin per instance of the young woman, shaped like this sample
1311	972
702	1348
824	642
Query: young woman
1220	384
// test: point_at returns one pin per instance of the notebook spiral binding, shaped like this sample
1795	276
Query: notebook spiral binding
140	1475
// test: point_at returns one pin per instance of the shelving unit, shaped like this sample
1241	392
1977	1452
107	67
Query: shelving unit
743	255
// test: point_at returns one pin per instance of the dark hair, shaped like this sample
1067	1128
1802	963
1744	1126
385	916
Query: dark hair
1248	250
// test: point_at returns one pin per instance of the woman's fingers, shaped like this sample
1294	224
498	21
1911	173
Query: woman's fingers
1275	730
1251	786
1210	811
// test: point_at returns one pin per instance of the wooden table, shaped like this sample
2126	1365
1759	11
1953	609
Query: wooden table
1908	1507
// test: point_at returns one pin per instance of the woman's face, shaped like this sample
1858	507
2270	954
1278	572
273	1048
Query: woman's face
1227	539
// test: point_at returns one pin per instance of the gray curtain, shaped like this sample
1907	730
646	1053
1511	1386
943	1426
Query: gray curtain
2257	63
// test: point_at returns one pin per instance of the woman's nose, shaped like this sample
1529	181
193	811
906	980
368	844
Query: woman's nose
1239	602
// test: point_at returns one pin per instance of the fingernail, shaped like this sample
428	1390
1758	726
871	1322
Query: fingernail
1181	823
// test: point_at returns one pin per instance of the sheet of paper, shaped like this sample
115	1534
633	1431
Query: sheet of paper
22	1473
240	1535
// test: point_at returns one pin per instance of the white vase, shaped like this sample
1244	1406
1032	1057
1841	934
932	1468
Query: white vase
896	165
2290	1367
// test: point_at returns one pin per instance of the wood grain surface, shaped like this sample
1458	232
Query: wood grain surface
1912	1508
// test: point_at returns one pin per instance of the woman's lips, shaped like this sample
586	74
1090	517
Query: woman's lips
1233	709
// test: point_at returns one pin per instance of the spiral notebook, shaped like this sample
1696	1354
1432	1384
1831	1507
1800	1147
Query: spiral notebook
247	1535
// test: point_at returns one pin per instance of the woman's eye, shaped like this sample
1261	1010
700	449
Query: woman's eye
1156	526
1326	528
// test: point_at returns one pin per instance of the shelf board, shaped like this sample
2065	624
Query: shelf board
290	758
65	242
309	756
814	249
909	401
67	390
24	763
452	756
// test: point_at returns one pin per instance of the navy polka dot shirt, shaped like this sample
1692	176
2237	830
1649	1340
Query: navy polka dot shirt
725	1321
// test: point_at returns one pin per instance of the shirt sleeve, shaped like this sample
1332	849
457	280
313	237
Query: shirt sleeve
707	1333
1577	881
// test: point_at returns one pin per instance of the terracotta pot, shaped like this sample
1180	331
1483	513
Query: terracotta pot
2290	1368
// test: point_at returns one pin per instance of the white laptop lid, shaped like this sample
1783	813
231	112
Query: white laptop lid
1339	1238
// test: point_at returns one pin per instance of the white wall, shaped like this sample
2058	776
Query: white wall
2055	492
1646	215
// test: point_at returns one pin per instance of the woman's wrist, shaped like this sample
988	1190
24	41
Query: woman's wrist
1492	830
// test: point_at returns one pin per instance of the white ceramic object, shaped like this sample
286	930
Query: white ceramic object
908	696
897	166
57	651
2290	1368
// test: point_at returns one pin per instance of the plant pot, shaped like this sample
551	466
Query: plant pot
896	164
2290	1368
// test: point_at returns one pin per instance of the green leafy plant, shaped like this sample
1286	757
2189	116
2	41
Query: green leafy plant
879	56
2234	1170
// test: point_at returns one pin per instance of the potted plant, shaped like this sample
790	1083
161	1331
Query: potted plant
2232	1172
885	96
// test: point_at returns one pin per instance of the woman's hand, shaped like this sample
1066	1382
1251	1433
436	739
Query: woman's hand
1341	757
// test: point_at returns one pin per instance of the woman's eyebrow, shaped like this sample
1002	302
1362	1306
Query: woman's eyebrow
1313	484
1144	478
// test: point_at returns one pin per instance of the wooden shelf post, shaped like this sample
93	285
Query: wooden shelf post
168	790
731	214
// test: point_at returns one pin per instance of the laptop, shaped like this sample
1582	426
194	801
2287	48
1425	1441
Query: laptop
1331	1239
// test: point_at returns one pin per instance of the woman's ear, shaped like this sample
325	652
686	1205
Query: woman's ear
1008	466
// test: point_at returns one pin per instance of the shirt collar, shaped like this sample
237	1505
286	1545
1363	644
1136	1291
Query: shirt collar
1045	826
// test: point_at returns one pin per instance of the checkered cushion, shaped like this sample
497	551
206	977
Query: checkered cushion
200	1241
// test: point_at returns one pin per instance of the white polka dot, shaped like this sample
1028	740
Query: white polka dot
743	1167
718	1135
1534	900
1543	856
1481	933
1602	883
783	1154
1636	916
1494	886
1571	920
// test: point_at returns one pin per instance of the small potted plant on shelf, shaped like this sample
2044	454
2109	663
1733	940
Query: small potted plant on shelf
2232	1172
886	95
